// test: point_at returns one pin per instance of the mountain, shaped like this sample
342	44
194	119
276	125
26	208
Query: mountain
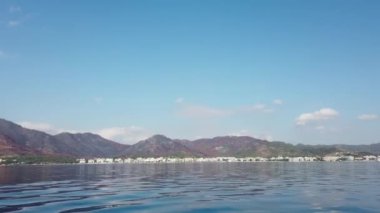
88	144
318	150
160	146
9	147
20	139
14	139
245	146
239	146
372	148
229	146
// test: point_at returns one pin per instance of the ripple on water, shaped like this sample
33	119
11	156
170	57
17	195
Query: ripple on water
282	187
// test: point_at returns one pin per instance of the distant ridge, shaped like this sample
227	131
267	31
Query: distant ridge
16	140
161	146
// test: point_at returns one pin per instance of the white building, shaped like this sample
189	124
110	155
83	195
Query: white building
108	160
247	159
296	159
330	158
188	160
278	158
260	159
128	160
358	158
82	160
348	158
369	157
118	160
310	159
99	160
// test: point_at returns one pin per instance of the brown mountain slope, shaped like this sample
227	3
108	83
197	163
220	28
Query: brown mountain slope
160	146
230	146
14	139
88	144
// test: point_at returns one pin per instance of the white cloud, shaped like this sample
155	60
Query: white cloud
368	117
266	137
320	128
98	99
44	127
197	111
278	102
127	135
2	54
13	23
326	129
179	100
16	16
14	9
202	111
242	132
245	132
322	114
256	108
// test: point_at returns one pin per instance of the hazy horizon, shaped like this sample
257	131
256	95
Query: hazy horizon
293	71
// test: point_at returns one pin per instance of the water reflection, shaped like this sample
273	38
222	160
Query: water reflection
215	187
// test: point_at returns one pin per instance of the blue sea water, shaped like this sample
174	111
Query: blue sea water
192	187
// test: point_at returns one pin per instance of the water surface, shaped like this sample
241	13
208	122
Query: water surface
192	187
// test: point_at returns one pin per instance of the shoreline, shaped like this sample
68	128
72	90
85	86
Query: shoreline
172	163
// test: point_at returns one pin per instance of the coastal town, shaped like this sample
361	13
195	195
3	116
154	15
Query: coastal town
332	158
167	160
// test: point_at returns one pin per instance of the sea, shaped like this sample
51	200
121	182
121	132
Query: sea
192	187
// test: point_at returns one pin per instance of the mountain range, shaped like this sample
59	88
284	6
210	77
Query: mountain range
17	140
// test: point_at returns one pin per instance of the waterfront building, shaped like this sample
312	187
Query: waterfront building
369	157
296	159
330	158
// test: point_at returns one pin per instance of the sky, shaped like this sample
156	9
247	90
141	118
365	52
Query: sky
281	70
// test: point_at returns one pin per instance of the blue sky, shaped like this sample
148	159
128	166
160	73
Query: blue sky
296	71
